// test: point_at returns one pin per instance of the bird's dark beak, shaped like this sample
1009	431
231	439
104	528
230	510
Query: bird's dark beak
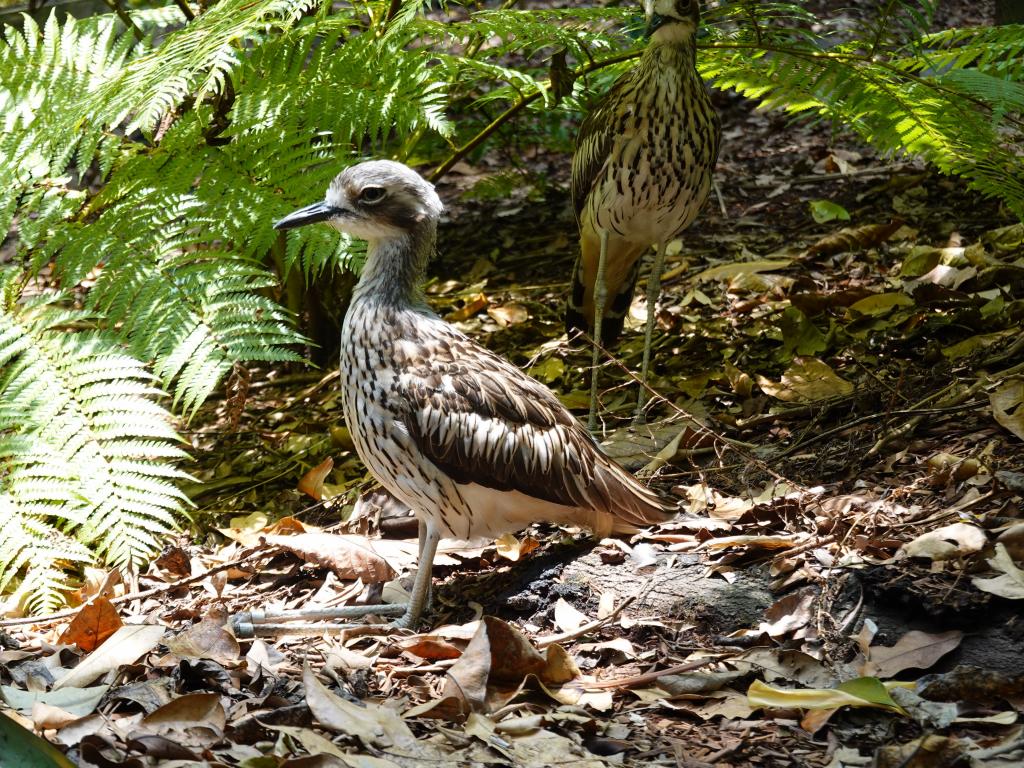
653	24
309	215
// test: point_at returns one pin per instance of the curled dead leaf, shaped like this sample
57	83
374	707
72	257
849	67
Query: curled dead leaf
852	238
496	664
312	483
349	556
1007	402
947	542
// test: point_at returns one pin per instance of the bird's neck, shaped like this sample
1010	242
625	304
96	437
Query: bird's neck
672	51
395	268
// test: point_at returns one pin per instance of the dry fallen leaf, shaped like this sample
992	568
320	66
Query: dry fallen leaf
246	529
930	751
789	614
123	647
851	238
315	744
78	701
95	622
1007	402
23	748
947	542
512	548
805	381
1010	582
567	618
312	483
917	650
432	647
1013	539
860	692
786	664
372	724
509	314
732	269
208	639
349	556
498	661
473	304
195	719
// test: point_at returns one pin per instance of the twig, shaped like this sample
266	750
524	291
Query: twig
1001	749
650	677
915	412
1011	352
60	615
721	200
955	399
442	666
544	642
515	109
879	170
122	14
187	12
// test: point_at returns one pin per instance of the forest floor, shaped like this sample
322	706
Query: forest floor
839	415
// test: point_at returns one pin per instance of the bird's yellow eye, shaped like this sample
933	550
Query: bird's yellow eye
372	195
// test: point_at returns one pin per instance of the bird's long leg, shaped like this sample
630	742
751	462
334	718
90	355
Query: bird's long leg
302	621
421	588
653	292
600	297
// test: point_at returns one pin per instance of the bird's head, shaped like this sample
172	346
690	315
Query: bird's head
375	200
672	20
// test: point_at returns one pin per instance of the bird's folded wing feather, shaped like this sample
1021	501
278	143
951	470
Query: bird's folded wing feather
482	420
594	142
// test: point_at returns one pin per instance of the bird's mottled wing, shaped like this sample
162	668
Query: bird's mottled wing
482	420
594	142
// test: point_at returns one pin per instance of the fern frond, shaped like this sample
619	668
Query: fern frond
195	61
33	557
84	444
897	111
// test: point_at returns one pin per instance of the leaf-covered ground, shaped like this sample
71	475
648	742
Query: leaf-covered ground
840	416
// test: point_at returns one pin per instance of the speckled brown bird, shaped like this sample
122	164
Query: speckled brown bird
641	172
467	440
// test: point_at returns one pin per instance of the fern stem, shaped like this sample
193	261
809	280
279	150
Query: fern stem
880	29
122	14
188	13
520	104
754	23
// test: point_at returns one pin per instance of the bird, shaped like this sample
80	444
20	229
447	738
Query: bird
464	438
641	171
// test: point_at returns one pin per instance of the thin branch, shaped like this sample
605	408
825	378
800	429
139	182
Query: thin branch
520	104
122	14
186	11
162	589
880	29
